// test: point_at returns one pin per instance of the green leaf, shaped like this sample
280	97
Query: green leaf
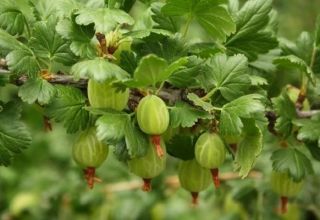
292	61
149	70
8	42
136	141
252	17
80	35
211	15
229	75
190	75
152	70
251	37
104	19
309	129
184	115
128	61
286	112
314	149
23	61
253	45
36	89
14	136
199	102
249	148
111	126
4	79
12	20
293	162
173	67
120	151
169	48
302	47
68	107
48	46
181	146
317	32
98	69
245	107
163	21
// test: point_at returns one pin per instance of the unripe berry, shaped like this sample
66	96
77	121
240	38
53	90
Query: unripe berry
282	184
210	153
194	178
152	115
89	153
103	95
153	118
148	166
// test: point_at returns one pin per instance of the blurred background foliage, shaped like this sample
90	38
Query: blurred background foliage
44	182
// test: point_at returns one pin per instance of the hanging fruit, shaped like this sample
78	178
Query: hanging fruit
285	186
194	178
210	153
103	95
89	153
148	166
153	119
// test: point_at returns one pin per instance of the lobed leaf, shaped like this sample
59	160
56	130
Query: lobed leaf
245	107
14	136
286	112
68	107
292	61
184	115
36	89
293	162
98	69
249	148
211	15
229	75
111	126
104	19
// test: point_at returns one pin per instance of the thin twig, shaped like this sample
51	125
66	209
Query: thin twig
171	182
307	114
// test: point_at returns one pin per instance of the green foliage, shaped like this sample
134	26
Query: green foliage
211	15
292	61
293	162
98	69
184	115
251	37
36	90
14	135
152	70
249	148
286	110
68	107
229	75
104	19
212	66
245	107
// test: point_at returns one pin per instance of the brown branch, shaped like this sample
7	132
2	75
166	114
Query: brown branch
170	95
171	182
307	114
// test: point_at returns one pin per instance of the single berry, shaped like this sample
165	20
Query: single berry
194	178
103	95
148	166
89	153
153	119
210	153
284	186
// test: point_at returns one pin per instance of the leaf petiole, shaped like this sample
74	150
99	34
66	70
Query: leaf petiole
209	94
186	29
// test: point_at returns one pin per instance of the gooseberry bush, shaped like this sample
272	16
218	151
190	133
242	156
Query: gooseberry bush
193	79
